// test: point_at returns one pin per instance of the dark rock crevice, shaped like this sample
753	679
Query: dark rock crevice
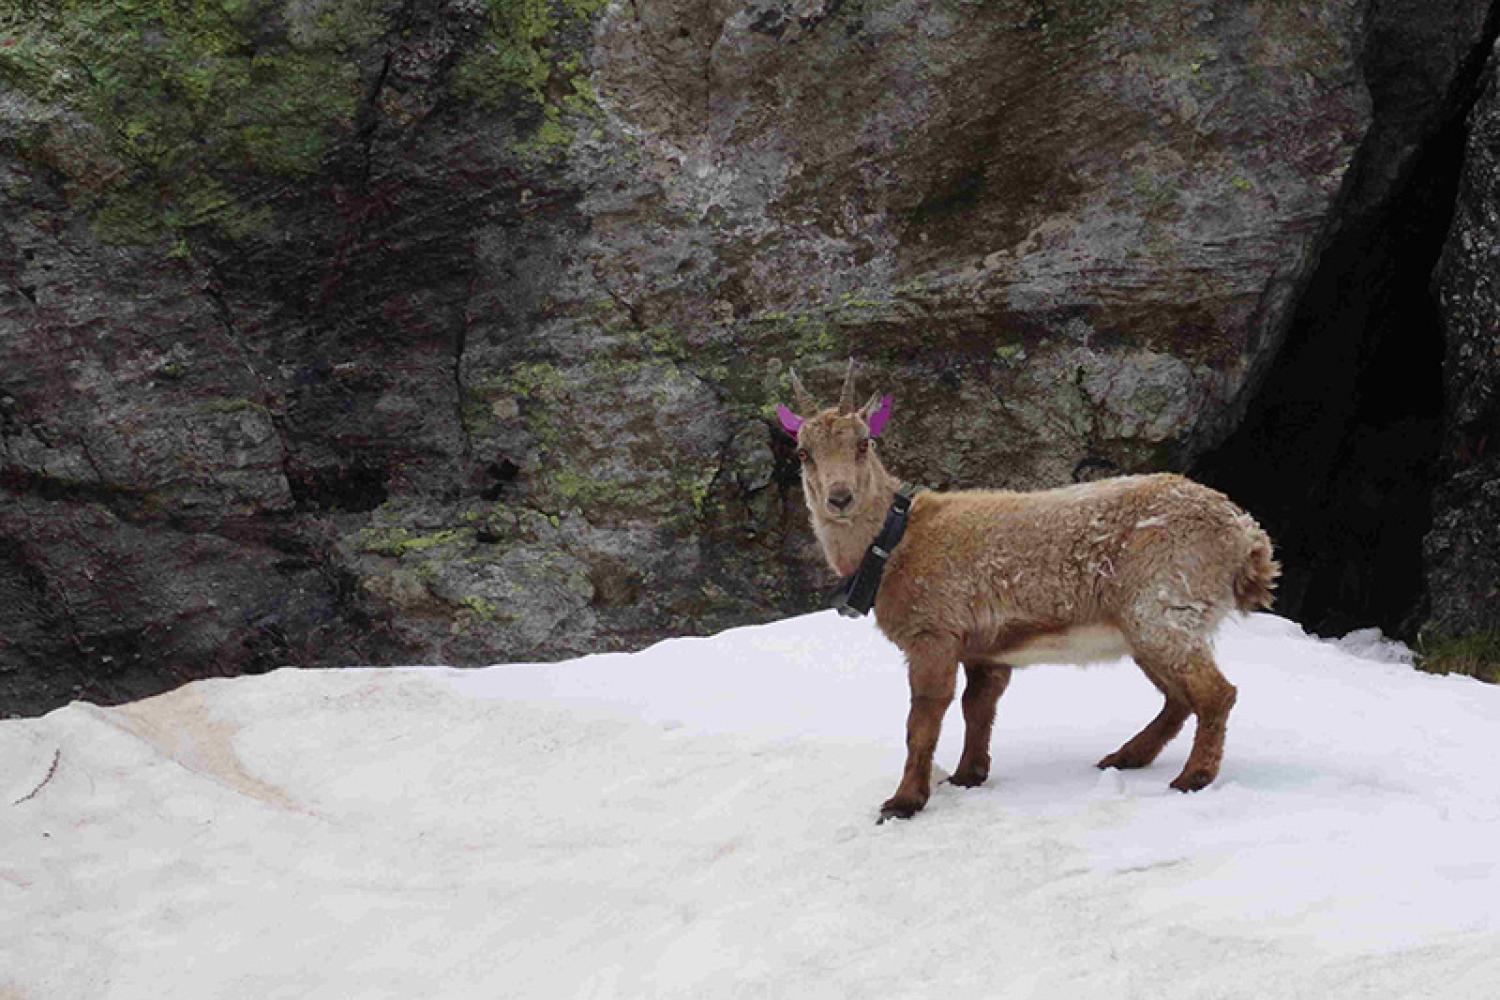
1339	451
460	345
275	405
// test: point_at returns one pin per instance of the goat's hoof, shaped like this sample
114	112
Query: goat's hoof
898	808
968	779
1193	781
1121	761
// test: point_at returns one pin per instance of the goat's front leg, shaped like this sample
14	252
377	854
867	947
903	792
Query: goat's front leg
932	669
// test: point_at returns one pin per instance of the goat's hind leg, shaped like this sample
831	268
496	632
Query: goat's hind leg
1143	748
1211	697
1170	638
1190	680
985	684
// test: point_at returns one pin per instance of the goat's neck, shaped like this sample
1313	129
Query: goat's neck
844	542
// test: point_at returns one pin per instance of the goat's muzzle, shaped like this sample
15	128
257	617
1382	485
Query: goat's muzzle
840	499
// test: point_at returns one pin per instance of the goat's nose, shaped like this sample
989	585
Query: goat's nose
840	497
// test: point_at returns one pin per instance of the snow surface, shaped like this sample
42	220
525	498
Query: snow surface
697	820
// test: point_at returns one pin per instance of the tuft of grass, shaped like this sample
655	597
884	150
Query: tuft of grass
1475	655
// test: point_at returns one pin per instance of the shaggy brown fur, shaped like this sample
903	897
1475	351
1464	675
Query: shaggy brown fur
1140	565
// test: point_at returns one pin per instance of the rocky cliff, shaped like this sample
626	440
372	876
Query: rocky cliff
1462	627
342	331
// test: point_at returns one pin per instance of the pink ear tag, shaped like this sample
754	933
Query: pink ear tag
880	416
790	422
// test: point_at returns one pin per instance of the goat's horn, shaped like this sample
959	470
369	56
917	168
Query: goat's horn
846	397
799	392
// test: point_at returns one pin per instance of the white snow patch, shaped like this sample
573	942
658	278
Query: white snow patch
697	820
1372	644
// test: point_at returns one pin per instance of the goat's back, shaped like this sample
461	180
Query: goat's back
1115	551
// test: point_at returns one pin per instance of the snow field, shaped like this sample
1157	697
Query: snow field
697	820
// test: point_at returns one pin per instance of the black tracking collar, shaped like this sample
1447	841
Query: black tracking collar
856	595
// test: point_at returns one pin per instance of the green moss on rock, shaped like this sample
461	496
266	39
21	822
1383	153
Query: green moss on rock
182	95
522	59
513	58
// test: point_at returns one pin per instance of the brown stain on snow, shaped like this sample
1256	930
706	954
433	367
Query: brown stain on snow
182	726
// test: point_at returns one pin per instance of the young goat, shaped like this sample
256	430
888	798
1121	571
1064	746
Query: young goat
1140	565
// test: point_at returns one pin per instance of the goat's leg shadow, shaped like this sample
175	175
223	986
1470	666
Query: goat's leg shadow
985	683
932	670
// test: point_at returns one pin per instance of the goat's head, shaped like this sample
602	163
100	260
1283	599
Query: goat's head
835	446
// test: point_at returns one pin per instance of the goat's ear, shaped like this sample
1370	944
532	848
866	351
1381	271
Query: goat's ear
876	412
790	422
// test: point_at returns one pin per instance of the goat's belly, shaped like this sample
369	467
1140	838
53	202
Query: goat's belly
1080	644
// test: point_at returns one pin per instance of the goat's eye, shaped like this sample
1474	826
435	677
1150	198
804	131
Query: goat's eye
803	455
864	445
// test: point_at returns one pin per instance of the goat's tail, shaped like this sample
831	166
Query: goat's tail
1255	579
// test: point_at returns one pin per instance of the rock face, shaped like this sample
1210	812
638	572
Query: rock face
1463	547
342	331
1337	454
